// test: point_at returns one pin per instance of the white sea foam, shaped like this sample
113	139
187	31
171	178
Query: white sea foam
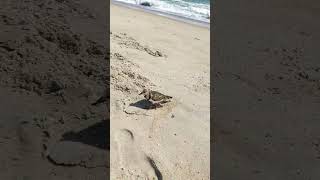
192	10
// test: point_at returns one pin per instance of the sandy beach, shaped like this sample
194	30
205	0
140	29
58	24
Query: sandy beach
172	57
266	65
53	68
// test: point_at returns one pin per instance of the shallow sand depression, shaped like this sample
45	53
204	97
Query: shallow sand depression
171	142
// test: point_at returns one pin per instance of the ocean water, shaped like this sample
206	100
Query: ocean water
193	9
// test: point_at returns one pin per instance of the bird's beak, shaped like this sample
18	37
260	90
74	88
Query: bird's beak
141	93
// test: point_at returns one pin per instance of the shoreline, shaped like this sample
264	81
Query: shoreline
140	135
164	14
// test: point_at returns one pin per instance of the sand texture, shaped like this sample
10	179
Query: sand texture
266	65
170	142
52	68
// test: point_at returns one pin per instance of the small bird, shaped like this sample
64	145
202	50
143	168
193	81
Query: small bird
155	97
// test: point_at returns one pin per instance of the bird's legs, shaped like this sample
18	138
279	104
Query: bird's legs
157	104
154	104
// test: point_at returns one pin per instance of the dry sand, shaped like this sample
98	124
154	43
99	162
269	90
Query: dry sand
172	142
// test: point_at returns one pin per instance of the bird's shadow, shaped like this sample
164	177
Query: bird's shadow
144	104
96	135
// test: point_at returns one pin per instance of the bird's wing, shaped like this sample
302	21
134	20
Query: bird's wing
156	96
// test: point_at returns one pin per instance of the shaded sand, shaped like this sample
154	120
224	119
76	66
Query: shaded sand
171	142
52	67
266	90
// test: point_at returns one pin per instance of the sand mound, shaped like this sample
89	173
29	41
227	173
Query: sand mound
41	53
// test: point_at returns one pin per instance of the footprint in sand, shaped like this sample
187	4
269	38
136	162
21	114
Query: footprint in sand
135	165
